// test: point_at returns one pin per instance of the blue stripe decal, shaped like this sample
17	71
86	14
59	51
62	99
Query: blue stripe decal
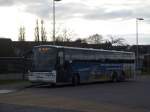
86	69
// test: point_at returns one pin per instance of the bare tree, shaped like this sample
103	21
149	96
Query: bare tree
59	39
37	33
117	41
95	39
65	35
80	40
43	32
21	33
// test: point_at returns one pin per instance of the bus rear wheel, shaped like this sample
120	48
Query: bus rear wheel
75	80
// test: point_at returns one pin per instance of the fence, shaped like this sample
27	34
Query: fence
14	68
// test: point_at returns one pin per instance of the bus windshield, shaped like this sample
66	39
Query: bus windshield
44	59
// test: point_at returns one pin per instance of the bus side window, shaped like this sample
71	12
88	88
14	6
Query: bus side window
61	58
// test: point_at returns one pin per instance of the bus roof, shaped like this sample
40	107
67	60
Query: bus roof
88	49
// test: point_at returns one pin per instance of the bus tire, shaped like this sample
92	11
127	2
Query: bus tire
53	85
114	77
75	80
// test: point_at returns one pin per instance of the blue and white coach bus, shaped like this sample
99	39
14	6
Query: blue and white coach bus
59	64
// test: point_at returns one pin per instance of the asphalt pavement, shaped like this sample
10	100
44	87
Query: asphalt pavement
129	96
16	108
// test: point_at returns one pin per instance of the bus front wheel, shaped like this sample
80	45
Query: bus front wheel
53	85
75	80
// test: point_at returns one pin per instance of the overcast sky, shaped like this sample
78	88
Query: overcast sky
82	17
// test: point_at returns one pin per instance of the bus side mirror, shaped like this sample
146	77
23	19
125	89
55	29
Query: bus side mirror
61	58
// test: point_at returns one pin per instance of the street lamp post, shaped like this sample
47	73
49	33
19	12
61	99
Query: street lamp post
137	42
54	20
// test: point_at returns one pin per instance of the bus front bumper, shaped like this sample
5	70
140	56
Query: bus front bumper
47	77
